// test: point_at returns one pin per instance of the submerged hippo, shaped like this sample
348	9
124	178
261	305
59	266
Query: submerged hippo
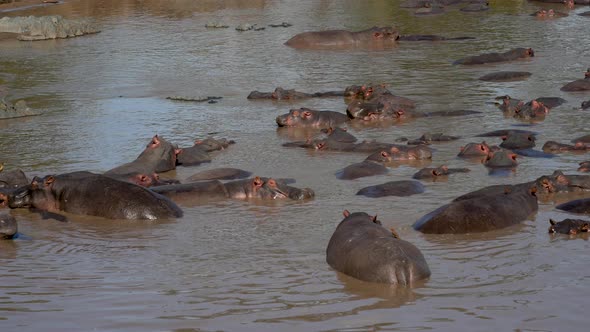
339	135
361	248
8	226
474	150
481	213
337	39
555	147
542	13
576	206
504	132
428	138
569	226
579	85
283	94
513	54
516	140
255	188
430	38
372	165
506	76
13	179
501	159
393	188
220	174
435	173
305	117
533	110
158	156
91	194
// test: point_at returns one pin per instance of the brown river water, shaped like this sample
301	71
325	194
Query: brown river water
252	266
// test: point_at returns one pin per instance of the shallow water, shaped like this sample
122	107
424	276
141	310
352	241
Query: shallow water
247	266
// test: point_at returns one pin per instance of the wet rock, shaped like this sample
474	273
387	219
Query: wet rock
46	27
16	110
216	25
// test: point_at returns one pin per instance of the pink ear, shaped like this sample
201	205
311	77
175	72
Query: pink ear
504	137
346	213
306	114
377	34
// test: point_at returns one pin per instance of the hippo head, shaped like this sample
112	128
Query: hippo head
541	13
380	157
556	182
475	149
297	117
274	189
15	197
385	33
568	226
517	140
374	219
161	153
8	226
502	158
569	4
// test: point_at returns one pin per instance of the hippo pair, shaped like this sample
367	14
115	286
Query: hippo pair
374	164
362	248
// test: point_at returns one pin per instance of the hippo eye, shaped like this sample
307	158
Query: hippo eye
481	147
530	138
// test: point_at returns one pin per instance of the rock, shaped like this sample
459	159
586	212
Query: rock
46	27
19	109
216	25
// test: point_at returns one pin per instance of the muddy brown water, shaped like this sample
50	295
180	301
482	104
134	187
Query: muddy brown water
255	266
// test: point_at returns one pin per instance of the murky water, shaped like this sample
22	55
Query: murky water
243	266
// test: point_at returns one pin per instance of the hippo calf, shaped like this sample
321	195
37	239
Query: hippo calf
361	248
569	226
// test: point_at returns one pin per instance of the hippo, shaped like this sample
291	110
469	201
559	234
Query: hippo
582	139
513	54
13	179
361	248
372	165
339	39
92	194
542	14
585	104
569	226
505	132
587	14
475	150
551	102
365	91
576	206
8	226
282	94
533	110
158	156
501	159
435	173
517	140
428	138
339	135
393	188
555	147
584	166
430	38
257	187
199	152
476	6
305	117
220	174
141	179
578	85
506	76
481	213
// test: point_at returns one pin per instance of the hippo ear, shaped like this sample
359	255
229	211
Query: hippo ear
384	154
48	180
377	34
320	145
177	151
552	222
533	190
257	182
504	137
375	219
306	114
585	227
435	172
345	213
394	233
579	145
